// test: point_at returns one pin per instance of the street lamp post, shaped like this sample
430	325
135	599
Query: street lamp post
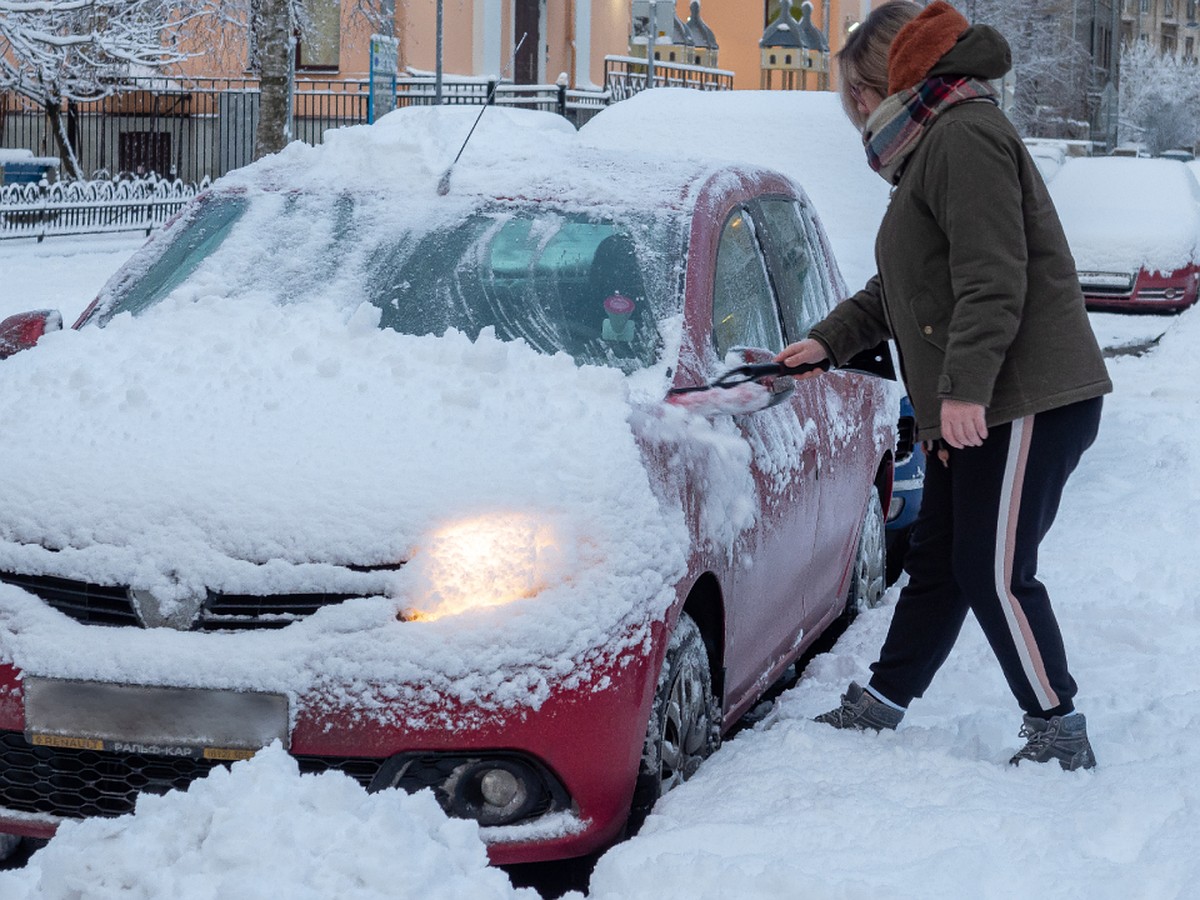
437	77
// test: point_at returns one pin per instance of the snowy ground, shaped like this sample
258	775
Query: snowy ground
789	808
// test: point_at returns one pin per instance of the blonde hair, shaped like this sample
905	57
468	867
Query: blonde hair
863	61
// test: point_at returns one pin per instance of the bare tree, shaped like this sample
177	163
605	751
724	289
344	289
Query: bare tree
272	28
1051	66
56	52
1160	99
274	24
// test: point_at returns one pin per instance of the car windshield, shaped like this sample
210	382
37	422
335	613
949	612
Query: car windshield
594	285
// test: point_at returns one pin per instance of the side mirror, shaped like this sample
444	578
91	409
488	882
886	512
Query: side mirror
22	331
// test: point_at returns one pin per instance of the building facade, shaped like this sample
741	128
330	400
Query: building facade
479	37
1171	26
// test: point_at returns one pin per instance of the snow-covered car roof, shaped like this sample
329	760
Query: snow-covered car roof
803	134
512	153
1128	213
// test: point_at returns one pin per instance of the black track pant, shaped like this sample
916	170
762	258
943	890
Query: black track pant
975	546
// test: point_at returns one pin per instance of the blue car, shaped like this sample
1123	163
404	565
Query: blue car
906	490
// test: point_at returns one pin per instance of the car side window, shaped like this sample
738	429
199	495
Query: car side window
744	311
797	265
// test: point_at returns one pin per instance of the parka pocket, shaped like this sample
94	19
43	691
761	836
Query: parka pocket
931	319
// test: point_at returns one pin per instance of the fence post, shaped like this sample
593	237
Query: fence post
560	104
43	201
491	94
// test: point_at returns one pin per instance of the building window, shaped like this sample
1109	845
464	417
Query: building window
1144	6
1189	48
1169	9
321	35
1168	45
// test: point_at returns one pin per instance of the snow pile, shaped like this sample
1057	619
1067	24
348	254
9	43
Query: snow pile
262	830
1122	214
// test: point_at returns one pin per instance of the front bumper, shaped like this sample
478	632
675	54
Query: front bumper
586	741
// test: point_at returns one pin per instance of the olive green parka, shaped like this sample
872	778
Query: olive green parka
976	283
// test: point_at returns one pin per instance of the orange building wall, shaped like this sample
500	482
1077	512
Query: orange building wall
738	25
416	26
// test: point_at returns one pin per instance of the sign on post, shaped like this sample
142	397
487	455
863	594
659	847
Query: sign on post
385	64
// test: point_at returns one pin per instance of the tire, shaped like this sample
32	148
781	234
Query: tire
685	721
868	577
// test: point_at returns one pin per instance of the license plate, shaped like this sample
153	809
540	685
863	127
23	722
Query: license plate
1118	280
154	720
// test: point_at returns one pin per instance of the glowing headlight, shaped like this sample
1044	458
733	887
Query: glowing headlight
488	561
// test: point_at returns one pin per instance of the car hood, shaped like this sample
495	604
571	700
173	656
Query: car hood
255	448
1122	215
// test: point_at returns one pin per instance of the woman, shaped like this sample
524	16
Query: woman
977	286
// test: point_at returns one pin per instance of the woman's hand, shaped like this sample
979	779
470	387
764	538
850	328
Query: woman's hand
963	424
806	352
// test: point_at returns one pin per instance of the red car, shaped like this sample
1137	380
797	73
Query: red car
1134	229
714	267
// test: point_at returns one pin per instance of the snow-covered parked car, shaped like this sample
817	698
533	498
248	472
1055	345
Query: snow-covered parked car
1134	229
390	474
1048	155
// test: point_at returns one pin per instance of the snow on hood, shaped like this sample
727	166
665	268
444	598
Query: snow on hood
243	437
315	837
254	448
1124	214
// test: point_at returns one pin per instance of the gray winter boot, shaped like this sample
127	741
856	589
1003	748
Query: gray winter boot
1061	738
860	711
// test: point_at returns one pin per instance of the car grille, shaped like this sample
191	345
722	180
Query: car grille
94	604
1106	284
77	784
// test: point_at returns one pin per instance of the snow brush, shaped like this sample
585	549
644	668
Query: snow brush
742	389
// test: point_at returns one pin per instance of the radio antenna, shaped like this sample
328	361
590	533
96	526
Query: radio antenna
443	186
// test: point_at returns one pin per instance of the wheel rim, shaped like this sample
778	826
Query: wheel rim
869	568
685	730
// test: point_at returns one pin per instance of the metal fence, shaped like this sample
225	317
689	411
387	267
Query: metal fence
625	76
147	148
90	207
205	128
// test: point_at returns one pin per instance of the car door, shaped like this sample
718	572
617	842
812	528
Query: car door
802	274
766	593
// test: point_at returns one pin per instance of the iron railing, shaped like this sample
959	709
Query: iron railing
90	207
151	146
625	76
204	127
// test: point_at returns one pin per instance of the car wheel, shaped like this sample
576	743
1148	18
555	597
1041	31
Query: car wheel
868	578
685	721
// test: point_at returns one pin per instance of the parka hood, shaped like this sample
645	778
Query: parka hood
941	42
981	52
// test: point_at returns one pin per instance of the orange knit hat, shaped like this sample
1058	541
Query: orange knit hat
921	43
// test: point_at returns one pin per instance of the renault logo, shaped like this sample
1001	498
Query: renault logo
157	612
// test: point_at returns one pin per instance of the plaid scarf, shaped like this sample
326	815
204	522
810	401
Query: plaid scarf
893	130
